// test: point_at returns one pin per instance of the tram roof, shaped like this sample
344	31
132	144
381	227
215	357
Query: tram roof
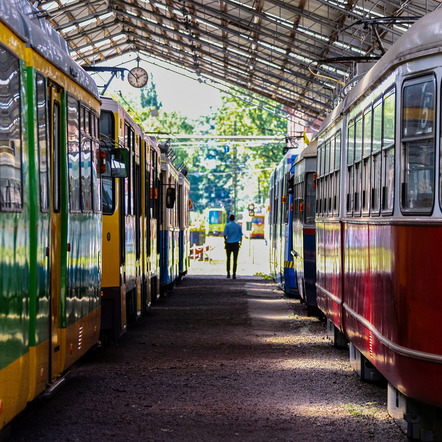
299	53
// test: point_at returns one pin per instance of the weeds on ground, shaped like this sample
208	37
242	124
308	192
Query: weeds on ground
360	410
263	275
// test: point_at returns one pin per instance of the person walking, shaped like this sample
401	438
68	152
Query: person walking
232	242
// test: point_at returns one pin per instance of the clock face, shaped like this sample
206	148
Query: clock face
137	77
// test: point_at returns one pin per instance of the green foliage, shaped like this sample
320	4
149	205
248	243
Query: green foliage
264	275
221	172
253	161
368	410
149	96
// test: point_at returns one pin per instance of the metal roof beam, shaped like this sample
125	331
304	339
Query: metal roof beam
216	13
352	14
213	71
90	35
209	54
245	84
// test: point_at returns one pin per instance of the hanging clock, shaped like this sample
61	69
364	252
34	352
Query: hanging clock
137	77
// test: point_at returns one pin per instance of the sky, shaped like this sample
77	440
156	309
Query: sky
176	91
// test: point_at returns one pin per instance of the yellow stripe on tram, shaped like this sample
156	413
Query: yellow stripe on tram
289	264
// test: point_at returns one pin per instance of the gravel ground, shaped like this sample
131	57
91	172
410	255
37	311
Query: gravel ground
216	360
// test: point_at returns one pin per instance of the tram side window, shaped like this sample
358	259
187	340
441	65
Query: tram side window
318	181
129	141
107	131
376	158
95	164
310	198
417	167
300	202
285	201
357	185
332	193
74	154
42	142
323	191
86	161
366	164
295	202
350	166
327	179
10	128
389	118
154	185
337	185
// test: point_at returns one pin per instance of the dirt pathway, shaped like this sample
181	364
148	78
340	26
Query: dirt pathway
217	360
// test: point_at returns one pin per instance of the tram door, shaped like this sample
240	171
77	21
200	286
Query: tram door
56	358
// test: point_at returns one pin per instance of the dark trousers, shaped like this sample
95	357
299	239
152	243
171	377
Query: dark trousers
232	247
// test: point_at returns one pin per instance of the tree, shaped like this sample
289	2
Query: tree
250	164
221	173
149	96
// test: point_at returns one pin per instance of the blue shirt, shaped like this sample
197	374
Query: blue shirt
232	232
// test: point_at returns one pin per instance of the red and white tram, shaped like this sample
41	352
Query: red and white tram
379	223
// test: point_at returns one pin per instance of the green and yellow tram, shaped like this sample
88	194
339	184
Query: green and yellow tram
216	220
50	208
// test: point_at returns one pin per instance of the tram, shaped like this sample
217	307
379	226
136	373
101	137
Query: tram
130	278
83	212
304	208
174	222
281	225
50	208
216	220
257	230
379	225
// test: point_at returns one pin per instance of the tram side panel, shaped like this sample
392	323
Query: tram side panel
40	336
184	224
387	230
304	244
15	246
169	227
150	270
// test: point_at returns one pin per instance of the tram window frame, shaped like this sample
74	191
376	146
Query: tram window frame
56	161
107	181
295	200
155	186
11	190
284	201
318	187
388	152
323	181
357	178
309	199
95	165
319	182
327	179
350	167
331	185
41	99
73	152
137	208
147	196
426	140
317	179
299	204
85	165
367	140
376	155
337	174
129	137
336	193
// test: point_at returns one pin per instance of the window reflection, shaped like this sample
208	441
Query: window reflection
10	143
